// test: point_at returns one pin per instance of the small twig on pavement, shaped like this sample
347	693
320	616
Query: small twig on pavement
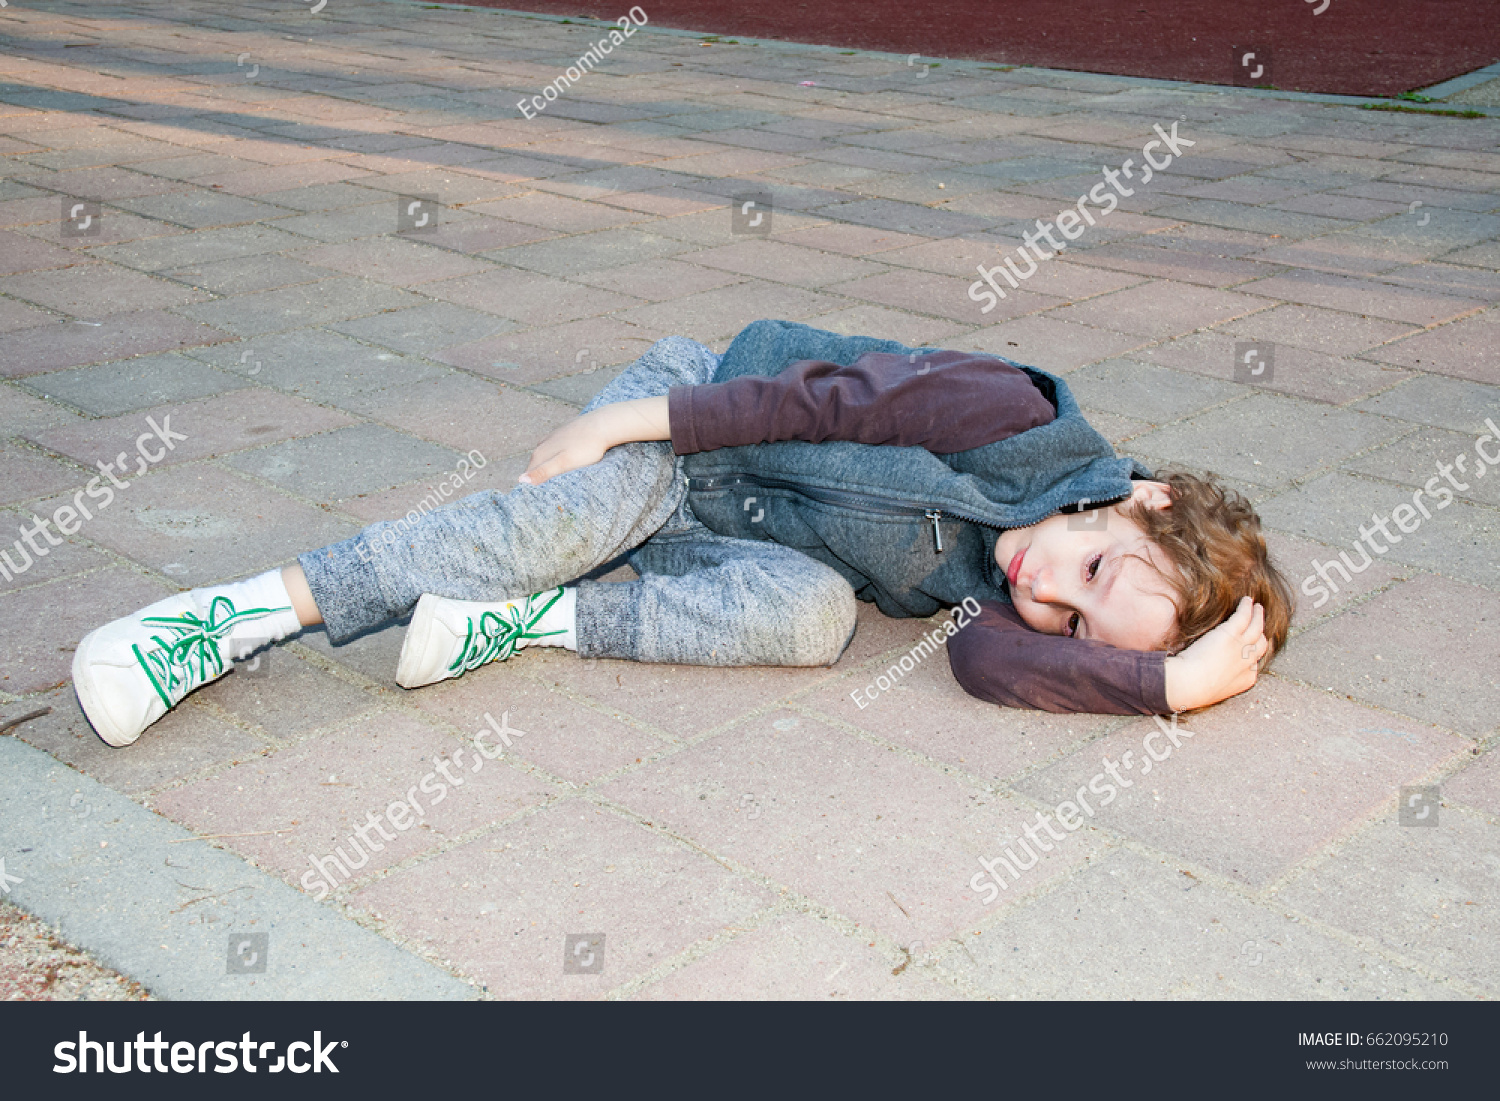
216	836
6	728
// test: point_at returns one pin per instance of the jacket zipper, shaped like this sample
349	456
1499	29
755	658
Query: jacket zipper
867	502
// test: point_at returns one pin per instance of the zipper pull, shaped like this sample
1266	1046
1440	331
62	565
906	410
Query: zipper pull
937	531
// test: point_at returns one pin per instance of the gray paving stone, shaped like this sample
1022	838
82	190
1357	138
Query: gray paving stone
202	247
305	304
248	274
589	252
1130	927
1441	402
1147	393
1429	895
1413	460
1461	539
348	462
200	209
319	365
1265	439
422	330
112	388
1253	219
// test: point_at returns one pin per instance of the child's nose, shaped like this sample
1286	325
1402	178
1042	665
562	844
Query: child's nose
1043	587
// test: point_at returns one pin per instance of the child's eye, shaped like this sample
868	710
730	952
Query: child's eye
1073	621
1094	565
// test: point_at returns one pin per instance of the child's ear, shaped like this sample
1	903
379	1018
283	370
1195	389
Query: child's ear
1151	494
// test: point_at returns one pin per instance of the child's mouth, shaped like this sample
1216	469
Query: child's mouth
1013	571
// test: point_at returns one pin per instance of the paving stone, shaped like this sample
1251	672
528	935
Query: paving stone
1413	460
69	344
287	697
1251	219
465	413
556	212
17	315
41	625
904	218
589	253
422	330
576	347
1460	539
910	329
248	274
21	414
321	366
783	263
97	290
1465	349
1477	786
846	823
1265	439
659	280
18	253
212	426
1183	266
1397	651
201	209
1427	895
202	247
926	711
568	739
1130	927
182	744
259	180
362	458
1297	559
1327	331
1153	394
798	957
727	310
851	240
199	524
1057	346
370	220
30	474
398	261
528	298
1449	279
1363	297
308	304
120	387
1295	371
1266	779
336	783
511	898
1160	311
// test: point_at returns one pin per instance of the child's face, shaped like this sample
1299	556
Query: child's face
1092	582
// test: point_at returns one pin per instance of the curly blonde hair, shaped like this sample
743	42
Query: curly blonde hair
1213	538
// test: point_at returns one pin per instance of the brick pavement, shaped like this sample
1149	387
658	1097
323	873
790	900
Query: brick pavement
754	833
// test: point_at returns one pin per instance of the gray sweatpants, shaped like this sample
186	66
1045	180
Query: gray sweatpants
701	599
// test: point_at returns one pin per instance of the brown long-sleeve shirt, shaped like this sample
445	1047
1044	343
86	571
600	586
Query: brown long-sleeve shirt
944	402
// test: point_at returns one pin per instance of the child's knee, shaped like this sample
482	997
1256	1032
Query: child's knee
825	619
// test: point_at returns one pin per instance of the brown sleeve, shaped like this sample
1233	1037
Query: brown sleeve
942	401
1000	659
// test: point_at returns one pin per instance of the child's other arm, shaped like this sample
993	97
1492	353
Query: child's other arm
1000	659
941	401
944	402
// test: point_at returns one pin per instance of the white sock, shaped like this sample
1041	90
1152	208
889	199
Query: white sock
561	616
261	609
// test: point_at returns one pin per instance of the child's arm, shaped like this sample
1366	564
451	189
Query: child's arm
1000	659
942	401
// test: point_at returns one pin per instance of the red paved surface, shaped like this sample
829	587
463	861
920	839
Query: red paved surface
1355	47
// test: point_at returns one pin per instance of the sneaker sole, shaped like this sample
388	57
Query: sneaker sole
416	646
83	687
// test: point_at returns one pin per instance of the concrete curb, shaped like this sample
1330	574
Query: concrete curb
1457	84
102	869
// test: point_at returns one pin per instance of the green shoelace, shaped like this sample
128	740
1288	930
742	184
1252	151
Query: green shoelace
496	636
189	656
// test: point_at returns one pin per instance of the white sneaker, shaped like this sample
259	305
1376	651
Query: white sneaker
447	638
131	672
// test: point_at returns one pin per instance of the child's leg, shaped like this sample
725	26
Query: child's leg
707	599
488	546
493	546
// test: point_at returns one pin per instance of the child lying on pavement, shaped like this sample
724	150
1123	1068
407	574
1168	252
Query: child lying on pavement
758	494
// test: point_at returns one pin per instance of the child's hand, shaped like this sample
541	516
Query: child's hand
1223	663
580	442
584	440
